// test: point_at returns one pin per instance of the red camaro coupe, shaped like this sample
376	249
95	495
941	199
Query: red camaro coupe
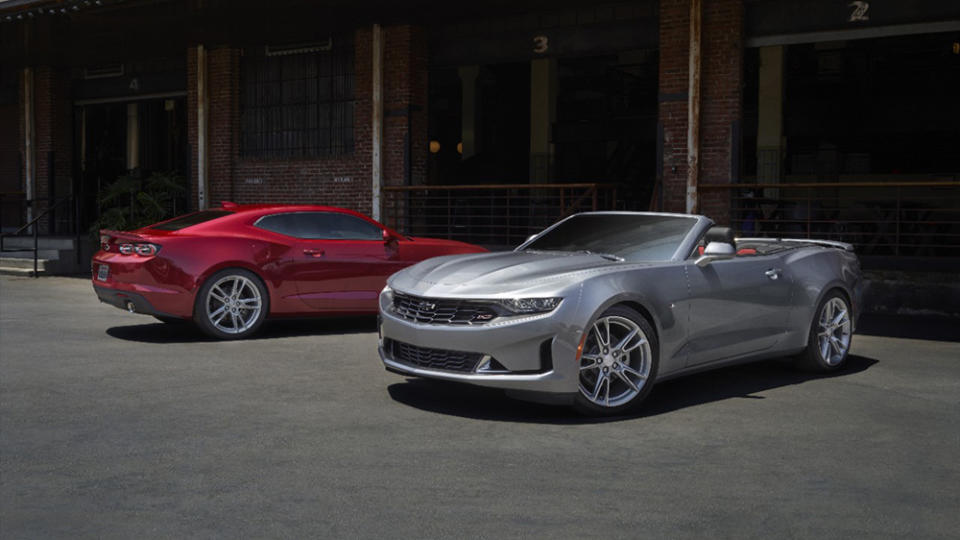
227	269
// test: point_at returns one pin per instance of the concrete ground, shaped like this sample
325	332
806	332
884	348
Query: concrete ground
113	425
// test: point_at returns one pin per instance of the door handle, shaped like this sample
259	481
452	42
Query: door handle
313	252
773	273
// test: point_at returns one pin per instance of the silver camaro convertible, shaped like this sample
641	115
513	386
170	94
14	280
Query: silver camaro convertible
600	306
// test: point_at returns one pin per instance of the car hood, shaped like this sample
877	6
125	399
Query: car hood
497	274
449	246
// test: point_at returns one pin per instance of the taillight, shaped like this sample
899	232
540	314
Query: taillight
142	249
147	250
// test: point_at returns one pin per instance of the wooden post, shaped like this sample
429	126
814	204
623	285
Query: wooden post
29	148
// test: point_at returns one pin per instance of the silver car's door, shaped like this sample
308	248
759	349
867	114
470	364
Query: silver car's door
737	306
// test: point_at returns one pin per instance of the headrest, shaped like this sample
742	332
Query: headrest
719	234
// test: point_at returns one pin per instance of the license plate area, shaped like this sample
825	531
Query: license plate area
103	271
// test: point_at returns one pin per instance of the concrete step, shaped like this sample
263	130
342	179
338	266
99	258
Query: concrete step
44	242
23	262
22	272
50	254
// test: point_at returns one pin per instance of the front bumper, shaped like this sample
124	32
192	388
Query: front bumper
538	352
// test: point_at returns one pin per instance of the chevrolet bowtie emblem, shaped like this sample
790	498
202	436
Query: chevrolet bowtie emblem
426	306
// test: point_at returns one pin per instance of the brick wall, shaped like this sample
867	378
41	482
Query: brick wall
721	102
405	73
674	50
720	106
337	180
53	136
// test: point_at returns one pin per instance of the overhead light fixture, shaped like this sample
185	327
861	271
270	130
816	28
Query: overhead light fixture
434	147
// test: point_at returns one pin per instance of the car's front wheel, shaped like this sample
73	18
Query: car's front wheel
618	363
830	335
231	304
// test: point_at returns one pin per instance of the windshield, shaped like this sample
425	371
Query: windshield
633	237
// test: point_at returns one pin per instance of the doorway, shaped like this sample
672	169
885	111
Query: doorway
115	143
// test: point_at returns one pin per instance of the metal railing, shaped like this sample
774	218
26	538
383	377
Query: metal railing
492	215
879	218
34	226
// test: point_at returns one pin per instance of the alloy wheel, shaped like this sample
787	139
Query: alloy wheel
233	304
833	332
615	364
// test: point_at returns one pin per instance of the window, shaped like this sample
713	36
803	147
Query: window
298	101
631	236
321	226
189	220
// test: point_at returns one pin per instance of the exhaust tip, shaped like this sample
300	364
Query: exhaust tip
131	307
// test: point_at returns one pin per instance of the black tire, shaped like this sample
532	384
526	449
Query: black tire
646	362
830	331
248	286
169	320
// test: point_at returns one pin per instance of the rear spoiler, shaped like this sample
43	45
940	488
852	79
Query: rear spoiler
123	235
825	243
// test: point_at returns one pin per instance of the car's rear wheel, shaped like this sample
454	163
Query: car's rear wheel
618	364
231	304
830	335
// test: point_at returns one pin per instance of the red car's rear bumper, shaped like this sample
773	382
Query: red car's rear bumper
140	283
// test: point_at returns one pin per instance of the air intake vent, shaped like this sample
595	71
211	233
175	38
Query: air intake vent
103	72
299	48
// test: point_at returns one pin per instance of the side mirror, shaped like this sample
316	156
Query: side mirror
389	238
716	251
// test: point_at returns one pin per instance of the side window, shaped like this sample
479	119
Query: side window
287	224
353	228
321	226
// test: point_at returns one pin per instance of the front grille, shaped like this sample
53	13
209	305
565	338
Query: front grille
423	357
442	311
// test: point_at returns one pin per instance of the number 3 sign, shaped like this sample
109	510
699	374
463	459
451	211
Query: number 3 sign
541	44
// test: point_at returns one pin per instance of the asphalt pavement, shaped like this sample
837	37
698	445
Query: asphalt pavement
113	425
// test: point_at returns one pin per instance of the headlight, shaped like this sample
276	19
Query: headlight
531	305
387	292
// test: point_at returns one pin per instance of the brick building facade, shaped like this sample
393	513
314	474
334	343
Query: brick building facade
417	47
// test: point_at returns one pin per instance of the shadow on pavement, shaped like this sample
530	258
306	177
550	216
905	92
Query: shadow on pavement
928	327
743	381
188	333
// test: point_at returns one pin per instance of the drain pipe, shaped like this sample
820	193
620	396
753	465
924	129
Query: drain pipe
377	136
693	110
